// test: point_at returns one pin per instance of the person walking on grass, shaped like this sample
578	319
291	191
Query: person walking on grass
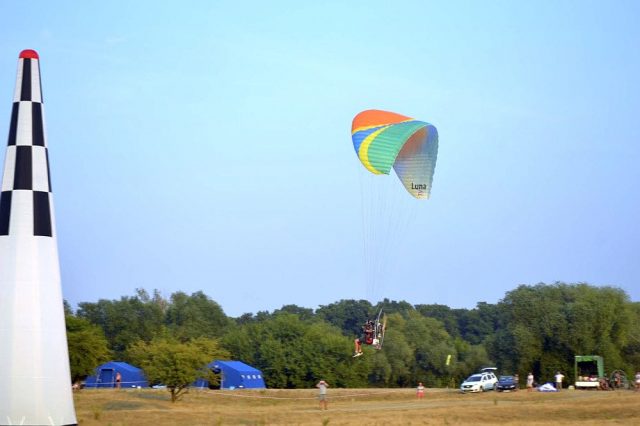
322	394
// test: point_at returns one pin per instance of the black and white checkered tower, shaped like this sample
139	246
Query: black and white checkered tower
35	386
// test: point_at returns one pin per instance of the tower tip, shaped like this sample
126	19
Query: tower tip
29	54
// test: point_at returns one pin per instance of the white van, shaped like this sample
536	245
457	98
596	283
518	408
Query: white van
479	382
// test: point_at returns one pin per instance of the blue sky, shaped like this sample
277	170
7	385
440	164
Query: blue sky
206	145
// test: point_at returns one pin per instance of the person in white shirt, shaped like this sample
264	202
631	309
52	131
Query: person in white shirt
559	378
530	382
420	390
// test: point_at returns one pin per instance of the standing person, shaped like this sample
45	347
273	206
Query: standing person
516	378
637	381
322	394
420	391
118	379
559	377
530	382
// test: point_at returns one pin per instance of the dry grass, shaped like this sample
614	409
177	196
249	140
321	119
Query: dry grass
356	407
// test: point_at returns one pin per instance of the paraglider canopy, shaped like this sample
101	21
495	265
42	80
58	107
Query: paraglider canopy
384	139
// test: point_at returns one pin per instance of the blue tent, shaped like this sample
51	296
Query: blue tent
105	377
234	375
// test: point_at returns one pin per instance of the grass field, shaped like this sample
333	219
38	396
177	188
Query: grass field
356	407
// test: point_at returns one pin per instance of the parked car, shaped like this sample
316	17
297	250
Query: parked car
479	382
506	383
491	372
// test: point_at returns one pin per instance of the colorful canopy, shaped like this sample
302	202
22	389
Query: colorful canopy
384	139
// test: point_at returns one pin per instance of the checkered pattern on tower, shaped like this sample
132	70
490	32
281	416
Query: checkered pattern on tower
26	184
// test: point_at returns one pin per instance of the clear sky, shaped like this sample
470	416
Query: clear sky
205	145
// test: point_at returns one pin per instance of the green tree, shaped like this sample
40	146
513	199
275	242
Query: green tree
394	307
87	347
67	308
446	315
188	317
398	353
543	327
473	325
293	353
347	315
174	363
631	351
304	314
273	345
417	348
477	324
126	320
467	359
381	368
431	345
328	355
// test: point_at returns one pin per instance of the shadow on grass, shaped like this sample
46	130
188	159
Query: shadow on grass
154	396
121	405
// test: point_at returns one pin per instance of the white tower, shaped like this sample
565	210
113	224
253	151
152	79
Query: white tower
35	382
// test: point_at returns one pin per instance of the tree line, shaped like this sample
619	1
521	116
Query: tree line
537	328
